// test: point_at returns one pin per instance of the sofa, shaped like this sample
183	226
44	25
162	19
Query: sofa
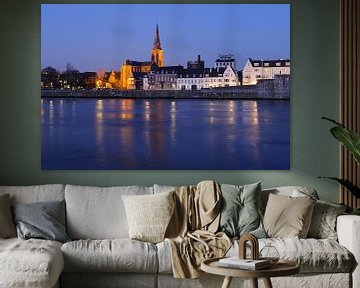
100	253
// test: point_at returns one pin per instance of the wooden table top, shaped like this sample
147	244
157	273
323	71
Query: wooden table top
281	268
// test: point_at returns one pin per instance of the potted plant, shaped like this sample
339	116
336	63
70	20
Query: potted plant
351	141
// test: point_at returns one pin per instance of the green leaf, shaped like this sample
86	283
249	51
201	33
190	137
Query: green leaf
348	138
347	184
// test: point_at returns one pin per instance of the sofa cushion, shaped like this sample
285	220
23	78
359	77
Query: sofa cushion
291	191
43	220
149	215
323	222
117	255
98	213
287	216
30	263
36	193
313	255
7	226
240	210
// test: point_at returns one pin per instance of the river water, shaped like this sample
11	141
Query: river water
191	134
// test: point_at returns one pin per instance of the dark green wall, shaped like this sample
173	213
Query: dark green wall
315	73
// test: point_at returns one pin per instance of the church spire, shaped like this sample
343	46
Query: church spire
157	44
157	54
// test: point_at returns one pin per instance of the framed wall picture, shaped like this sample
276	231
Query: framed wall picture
165	86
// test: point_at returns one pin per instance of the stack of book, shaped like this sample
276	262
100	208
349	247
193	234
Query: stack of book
248	264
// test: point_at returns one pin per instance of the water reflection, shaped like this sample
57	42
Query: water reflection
164	134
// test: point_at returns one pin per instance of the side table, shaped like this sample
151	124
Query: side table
281	268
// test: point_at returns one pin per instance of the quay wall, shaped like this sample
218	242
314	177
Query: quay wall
278	88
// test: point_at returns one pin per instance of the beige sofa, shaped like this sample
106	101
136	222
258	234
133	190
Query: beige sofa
101	254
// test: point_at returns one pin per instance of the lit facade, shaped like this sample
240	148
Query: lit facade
225	60
208	78
132	72
255	70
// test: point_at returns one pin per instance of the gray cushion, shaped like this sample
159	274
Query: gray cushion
240	213
323	222
31	263
7	227
44	220
98	213
117	255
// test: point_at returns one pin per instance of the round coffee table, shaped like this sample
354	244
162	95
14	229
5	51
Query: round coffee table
281	268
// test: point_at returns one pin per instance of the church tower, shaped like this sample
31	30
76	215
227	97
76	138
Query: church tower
157	54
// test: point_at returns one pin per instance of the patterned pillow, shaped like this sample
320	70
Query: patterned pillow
323	222
149	215
240	213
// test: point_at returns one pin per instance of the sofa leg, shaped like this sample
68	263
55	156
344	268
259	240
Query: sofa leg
254	282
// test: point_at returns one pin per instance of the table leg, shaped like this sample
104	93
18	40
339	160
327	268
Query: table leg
267	283
254	282
227	282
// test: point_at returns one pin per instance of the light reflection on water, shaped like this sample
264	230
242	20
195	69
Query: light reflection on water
165	134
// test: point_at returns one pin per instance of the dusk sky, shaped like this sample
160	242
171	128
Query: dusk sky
103	36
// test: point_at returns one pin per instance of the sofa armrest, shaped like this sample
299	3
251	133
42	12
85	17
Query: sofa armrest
348	230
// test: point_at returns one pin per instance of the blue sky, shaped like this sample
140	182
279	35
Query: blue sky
103	36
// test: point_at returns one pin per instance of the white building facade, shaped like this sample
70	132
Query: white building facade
255	70
209	78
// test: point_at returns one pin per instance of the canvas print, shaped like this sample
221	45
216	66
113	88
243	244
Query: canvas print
165	86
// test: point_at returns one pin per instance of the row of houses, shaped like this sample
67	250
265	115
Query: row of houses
195	76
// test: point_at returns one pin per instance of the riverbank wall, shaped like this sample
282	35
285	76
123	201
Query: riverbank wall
278	88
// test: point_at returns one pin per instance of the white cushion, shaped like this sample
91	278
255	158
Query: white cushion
149	215
117	255
30	263
37	193
98	213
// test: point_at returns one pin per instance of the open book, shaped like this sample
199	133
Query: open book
236	262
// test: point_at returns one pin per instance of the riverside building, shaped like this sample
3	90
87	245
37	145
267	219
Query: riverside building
255	70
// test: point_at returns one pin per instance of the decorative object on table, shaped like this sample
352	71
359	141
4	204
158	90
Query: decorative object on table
241	261
351	142
254	246
269	253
